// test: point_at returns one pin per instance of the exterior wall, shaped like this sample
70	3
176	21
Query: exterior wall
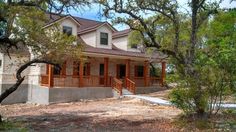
76	94
104	29
121	42
43	95
90	38
18	96
70	23
34	74
38	94
10	66
7	78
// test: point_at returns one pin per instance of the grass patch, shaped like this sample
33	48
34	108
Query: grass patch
191	123
224	121
12	126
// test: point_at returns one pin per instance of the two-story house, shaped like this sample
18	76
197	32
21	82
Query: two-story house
110	66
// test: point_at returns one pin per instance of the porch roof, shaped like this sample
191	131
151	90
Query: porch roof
114	51
122	53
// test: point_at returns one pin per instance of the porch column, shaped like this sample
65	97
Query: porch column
50	76
163	72
145	73
106	71
81	74
127	68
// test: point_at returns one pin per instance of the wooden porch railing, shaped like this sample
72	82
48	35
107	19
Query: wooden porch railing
98	81
73	81
155	81
117	85
130	85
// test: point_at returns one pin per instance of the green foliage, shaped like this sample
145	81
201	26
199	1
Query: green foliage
184	98
215	64
10	126
134	39
24	24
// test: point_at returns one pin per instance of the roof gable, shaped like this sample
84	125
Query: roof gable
97	26
61	18
122	33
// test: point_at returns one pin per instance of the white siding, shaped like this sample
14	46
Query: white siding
89	38
121	43
104	29
70	23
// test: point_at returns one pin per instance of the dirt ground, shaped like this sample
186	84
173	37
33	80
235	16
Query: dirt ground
101	115
162	94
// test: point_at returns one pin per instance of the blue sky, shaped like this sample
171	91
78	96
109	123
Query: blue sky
93	11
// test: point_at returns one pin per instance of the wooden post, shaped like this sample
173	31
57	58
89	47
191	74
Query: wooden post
81	74
163	72
145	73
127	70
50	76
106	71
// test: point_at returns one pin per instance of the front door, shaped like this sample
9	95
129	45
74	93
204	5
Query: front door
101	74
120	73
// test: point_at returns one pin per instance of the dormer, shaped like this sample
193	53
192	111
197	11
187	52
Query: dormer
121	40
67	23
98	35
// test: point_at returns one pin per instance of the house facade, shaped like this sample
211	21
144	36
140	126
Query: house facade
111	65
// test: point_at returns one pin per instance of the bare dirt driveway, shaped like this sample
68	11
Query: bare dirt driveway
96	115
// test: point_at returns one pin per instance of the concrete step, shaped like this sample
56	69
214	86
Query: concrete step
115	93
126	92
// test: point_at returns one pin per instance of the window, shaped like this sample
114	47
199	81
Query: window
0	63
138	71
58	71
67	30
101	70
86	69
104	38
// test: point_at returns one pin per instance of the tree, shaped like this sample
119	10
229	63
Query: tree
21	24
172	32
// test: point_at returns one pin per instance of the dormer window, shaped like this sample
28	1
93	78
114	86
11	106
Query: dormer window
104	38
67	30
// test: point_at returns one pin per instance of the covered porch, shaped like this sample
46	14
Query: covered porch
102	71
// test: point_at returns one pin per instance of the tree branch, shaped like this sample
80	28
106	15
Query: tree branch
20	79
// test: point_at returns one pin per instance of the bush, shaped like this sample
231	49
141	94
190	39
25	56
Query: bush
183	98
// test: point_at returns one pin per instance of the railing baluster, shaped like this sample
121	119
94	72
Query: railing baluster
117	85
130	85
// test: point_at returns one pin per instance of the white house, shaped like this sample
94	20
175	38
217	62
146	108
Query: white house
111	66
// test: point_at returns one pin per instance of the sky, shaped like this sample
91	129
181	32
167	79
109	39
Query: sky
93	12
